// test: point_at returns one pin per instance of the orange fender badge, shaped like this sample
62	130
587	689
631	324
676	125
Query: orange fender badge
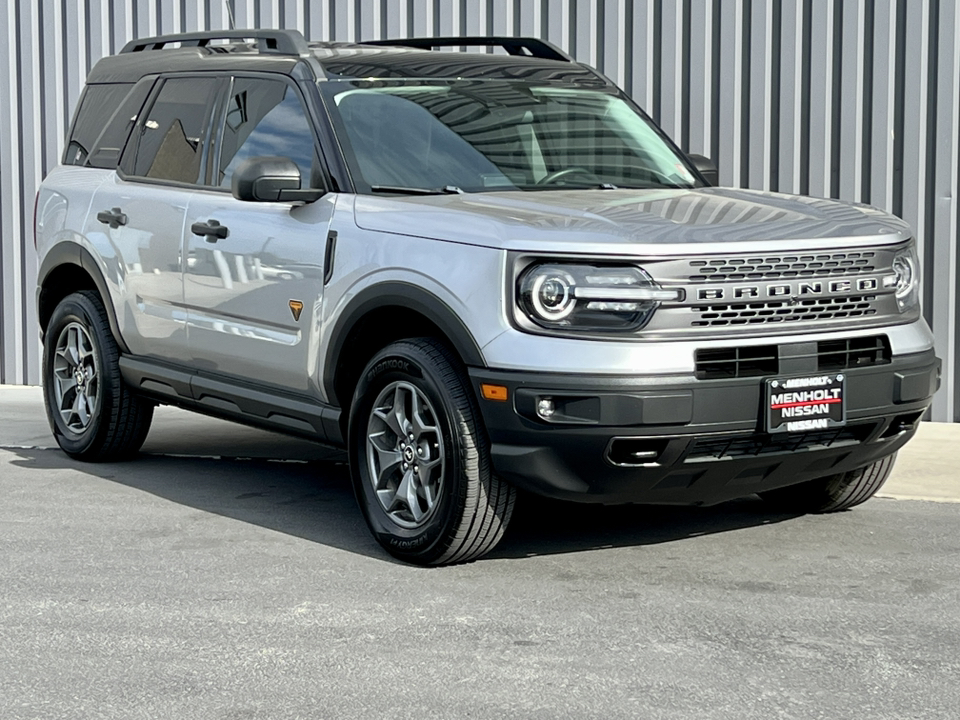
296	307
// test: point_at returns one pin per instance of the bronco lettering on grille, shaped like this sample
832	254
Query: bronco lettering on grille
782	289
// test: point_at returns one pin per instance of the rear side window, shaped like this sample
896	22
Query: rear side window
265	118
97	107
172	134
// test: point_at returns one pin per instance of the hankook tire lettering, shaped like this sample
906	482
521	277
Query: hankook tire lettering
390	364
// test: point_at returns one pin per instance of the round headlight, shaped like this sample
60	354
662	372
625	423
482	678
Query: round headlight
589	298
552	296
904	272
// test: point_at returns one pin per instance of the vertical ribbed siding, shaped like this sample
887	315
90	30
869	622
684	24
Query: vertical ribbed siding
856	99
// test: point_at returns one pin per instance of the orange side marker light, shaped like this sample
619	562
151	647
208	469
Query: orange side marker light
493	392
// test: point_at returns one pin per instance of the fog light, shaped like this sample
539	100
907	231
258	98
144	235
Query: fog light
546	408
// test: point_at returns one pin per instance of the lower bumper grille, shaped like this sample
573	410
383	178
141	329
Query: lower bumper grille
836	355
764	444
762	360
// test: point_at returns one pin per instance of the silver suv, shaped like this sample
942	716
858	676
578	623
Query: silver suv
477	272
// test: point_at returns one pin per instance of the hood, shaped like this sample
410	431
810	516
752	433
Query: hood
649	222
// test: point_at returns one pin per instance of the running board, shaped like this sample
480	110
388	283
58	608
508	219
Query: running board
234	399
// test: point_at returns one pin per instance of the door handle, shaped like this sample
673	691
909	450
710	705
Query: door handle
114	218
210	230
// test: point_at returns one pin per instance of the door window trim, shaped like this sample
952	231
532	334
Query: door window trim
129	154
323	173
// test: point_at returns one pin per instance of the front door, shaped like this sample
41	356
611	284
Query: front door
253	289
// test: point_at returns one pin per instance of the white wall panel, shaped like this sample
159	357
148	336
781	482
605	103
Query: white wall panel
858	99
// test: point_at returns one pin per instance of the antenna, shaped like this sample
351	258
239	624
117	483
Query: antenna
229	4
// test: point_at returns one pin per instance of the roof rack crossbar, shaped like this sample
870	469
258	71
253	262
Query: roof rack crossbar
269	42
527	46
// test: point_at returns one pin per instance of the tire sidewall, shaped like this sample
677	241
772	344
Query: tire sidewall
402	362
79	309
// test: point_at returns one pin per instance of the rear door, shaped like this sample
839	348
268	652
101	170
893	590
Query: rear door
137	215
254	294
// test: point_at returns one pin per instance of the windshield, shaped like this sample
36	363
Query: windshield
475	136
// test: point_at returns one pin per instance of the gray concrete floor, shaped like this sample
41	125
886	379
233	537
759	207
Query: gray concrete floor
228	574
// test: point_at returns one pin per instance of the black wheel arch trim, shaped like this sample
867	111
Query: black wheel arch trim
405	295
71	253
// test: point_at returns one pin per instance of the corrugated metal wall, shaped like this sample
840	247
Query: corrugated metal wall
856	99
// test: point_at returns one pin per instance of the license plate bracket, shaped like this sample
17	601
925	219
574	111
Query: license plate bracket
800	404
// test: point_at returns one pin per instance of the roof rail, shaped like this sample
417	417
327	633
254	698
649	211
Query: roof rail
269	42
530	47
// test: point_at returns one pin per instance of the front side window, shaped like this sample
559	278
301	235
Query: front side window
171	141
495	135
265	118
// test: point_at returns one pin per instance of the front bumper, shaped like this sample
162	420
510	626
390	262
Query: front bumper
701	441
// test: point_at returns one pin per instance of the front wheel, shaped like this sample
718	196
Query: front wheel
834	492
420	458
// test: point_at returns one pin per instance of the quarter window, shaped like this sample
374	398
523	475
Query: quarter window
172	134
265	118
99	101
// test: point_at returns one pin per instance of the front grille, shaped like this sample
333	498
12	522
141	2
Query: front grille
737	362
834	355
782	312
783	266
780	443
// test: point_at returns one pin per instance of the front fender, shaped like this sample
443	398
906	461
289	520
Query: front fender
406	295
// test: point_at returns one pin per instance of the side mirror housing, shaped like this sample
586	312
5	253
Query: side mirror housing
707	168
271	179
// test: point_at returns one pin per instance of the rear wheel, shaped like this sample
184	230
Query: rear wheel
420	459
835	492
93	414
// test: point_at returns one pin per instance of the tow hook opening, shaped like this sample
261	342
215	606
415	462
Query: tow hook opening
635	452
901	423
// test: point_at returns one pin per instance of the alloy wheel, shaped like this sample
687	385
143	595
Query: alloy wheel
76	378
405	454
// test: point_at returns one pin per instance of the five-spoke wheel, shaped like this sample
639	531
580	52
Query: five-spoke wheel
77	377
405	454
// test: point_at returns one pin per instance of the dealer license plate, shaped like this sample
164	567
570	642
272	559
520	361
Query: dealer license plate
805	403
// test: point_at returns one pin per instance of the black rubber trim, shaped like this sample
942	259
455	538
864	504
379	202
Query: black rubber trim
232	398
330	148
70	253
405	295
328	256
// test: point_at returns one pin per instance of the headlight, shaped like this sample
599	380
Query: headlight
905	278
590	297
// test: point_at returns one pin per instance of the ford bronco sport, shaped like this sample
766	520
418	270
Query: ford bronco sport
476	272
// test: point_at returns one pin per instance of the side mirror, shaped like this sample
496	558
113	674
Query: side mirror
707	168
271	179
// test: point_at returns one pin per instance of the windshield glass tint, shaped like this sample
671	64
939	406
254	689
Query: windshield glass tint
491	136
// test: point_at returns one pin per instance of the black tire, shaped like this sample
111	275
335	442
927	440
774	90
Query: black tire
117	419
472	507
834	492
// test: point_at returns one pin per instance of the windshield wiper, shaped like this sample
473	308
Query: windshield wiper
398	190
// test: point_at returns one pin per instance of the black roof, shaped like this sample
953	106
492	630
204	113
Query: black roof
368	61
283	51
130	68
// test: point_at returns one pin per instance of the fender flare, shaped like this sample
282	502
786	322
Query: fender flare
71	253
405	295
